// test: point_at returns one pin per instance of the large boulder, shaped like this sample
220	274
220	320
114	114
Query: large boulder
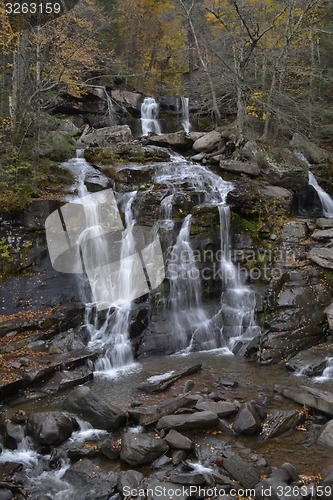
207	142
178	441
240	167
89	481
200	420
108	136
283	168
222	409
177	140
49	427
130	100
312	152
141	449
98	412
326	435
309	396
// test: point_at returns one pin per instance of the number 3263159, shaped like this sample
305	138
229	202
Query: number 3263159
33	8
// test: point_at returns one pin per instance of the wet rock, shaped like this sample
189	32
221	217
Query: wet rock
156	487
208	449
90	481
12	434
312	152
315	398
280	422
178	456
163	383
229	383
322	256
178	441
282	168
241	470
111	448
327	475
240	167
269	489
199	420
67	379
129	479
49	427
221	409
141	449
189	384
108	136
326	435
311	362
207	142
161	462
88	406
226	428
167	408
247	420
191	478
291	469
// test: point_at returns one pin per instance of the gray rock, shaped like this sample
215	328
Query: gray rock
178	441
110	448
199	420
291	469
131	479
240	167
90	481
222	409
229	383
6	494
280	422
315	398
190	478
312	362
141	449
177	140
241	471
268	490
108	136
247	420
224	427
326	435
12	434
322	256
88	406
312	152
49	427
322	234
155	487
329	314
161	462
207	142
294	231
179	456
129	99
324	223
198	157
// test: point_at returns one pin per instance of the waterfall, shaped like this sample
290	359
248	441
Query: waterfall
112	334
149	117
186	114
327	373
235	318
326	200
185	288
111	111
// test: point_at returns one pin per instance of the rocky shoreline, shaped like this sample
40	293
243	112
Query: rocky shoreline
187	442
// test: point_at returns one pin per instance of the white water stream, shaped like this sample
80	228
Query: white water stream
149	117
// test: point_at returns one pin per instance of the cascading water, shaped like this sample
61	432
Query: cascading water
326	200
235	319
186	114
111	111
112	334
149	117
327	373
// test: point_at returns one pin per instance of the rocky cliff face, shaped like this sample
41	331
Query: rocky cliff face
277	253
